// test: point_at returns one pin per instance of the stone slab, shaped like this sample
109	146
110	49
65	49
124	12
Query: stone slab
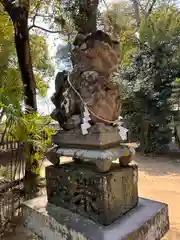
102	197
99	136
148	221
94	154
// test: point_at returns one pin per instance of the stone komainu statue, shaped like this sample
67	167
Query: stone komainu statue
91	82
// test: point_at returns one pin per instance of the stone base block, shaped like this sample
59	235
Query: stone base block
102	197
148	221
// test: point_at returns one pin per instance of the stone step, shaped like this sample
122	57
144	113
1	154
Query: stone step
149	220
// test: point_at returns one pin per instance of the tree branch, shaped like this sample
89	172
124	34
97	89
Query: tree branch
1	115
141	7
44	16
137	12
43	29
151	7
36	9
147	4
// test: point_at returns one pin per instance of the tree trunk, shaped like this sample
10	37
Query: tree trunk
19	17
24	59
137	13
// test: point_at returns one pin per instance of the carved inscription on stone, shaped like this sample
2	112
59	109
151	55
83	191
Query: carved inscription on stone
75	192
102	197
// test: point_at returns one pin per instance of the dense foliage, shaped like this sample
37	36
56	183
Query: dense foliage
17	73
149	68
153	74
11	87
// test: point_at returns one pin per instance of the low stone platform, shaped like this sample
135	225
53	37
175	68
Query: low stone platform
148	221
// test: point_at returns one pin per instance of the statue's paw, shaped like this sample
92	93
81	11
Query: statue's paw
103	165
52	156
127	157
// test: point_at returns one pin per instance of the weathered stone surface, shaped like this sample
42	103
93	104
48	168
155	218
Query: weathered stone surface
102	197
102	158
99	136
103	166
93	80
94	154
148	221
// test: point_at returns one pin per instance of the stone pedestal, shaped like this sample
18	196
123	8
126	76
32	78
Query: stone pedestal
148	221
102	197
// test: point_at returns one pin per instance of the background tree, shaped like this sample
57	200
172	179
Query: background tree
19	13
22	78
83	14
153	69
11	84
